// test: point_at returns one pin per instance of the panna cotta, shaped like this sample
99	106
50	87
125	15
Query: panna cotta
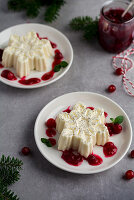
28	52
81	129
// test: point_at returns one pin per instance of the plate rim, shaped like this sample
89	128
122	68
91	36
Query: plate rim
72	170
51	81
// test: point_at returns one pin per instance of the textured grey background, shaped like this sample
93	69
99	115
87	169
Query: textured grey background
91	71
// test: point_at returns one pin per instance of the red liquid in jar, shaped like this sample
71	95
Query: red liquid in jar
30	81
8	75
114	34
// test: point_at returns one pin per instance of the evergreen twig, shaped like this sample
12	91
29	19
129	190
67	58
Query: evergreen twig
52	11
9	170
87	25
9	173
32	7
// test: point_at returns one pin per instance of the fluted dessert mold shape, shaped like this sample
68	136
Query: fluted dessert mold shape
27	53
81	129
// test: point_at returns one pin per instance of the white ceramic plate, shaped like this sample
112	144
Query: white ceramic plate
122	140
44	31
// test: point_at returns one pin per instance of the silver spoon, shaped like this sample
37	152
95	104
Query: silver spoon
128	8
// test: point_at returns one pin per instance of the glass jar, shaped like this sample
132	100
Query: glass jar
115	32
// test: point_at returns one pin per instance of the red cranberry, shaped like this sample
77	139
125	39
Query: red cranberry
25	151
10	76
132	154
110	128
118	71
111	88
51	123
109	149
52	141
50	132
117	128
129	174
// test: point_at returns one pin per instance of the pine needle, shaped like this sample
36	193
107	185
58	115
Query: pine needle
87	25
52	11
9	173
32	7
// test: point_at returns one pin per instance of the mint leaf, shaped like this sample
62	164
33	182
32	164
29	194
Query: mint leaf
46	142
118	120
64	64
112	119
57	68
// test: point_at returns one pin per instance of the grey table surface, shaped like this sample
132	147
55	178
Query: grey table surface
91	71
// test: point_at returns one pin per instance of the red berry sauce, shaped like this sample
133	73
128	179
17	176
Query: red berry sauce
52	141
47	76
109	149
52	43
72	157
129	174
105	114
8	75
51	123
91	108
115	15
50	132
68	110
94	160
30	81
1	53
57	60
25	151
1	66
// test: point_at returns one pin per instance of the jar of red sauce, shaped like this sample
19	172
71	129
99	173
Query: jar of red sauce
115	32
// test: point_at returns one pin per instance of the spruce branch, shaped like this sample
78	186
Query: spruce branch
6	194
80	23
91	30
52	11
9	170
32	7
88	25
16	5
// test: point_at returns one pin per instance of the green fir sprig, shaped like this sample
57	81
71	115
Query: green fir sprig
87	25
9	174
32	7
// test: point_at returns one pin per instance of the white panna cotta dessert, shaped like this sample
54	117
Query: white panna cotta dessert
28	52
81	129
